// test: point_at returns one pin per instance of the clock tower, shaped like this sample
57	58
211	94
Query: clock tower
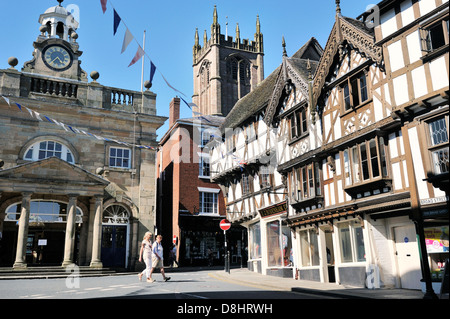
56	51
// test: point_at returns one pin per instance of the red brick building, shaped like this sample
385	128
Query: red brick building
189	206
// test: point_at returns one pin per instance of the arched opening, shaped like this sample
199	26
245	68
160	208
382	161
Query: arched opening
115	236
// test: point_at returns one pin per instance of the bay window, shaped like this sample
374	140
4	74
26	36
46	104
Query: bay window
365	162
438	145
306	182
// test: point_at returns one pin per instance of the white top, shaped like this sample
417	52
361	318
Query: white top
158	250
147	248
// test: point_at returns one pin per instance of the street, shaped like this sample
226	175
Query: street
182	285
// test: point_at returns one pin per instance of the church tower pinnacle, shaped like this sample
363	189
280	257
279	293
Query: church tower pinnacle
225	69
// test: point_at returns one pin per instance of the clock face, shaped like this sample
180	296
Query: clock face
57	58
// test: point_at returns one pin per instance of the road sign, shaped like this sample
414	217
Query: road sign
225	224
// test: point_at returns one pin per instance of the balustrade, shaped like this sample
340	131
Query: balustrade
122	97
53	88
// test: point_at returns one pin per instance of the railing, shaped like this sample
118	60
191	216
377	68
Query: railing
53	88
121	97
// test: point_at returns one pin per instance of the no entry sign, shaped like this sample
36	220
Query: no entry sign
225	224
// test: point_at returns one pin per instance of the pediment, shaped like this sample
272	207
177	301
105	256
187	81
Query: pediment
354	33
51	172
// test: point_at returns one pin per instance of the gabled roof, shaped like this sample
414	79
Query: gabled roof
266	95
357	34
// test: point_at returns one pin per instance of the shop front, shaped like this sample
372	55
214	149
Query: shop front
202	242
270	242
436	233
331	250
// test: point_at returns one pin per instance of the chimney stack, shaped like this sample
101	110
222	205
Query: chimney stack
174	111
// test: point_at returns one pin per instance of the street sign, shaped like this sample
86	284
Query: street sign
225	225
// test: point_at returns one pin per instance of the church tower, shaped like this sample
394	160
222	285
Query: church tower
56	51
225	70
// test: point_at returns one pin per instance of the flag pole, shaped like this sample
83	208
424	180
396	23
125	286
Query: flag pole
142	75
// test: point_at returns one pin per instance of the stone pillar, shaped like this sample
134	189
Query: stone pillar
97	234
22	236
70	231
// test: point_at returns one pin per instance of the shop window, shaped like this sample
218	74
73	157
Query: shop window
438	130
351	242
255	241
355	91
45	149
436	240
43	212
309	246
119	157
208	203
298	123
278	244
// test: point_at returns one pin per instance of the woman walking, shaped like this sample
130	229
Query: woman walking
146	253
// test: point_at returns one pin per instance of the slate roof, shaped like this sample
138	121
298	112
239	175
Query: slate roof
259	97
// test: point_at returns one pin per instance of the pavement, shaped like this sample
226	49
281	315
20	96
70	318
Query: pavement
243	276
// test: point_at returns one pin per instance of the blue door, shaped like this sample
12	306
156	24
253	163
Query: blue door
114	239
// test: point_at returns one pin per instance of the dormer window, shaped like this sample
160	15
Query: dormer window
45	149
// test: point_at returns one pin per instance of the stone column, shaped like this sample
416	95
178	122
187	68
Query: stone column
70	231
97	234
22	236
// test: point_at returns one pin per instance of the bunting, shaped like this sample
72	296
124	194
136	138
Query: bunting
69	128
117	20
126	40
140	53
103	3
137	57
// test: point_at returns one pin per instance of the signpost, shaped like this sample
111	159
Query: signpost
226	225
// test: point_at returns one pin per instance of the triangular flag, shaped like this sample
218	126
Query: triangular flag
152	71
137	57
117	20
126	40
103	2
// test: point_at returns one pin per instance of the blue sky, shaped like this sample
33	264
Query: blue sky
170	28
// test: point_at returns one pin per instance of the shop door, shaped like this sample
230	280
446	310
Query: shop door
408	259
114	246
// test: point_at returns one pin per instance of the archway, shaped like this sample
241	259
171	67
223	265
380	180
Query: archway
115	236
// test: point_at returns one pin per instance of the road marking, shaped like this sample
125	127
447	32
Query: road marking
93	288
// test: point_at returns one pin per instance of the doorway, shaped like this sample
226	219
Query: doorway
114	239
407	256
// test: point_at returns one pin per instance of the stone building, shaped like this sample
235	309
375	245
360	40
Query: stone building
77	175
225	70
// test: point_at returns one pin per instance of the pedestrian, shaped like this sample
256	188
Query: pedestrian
146	254
173	256
157	259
